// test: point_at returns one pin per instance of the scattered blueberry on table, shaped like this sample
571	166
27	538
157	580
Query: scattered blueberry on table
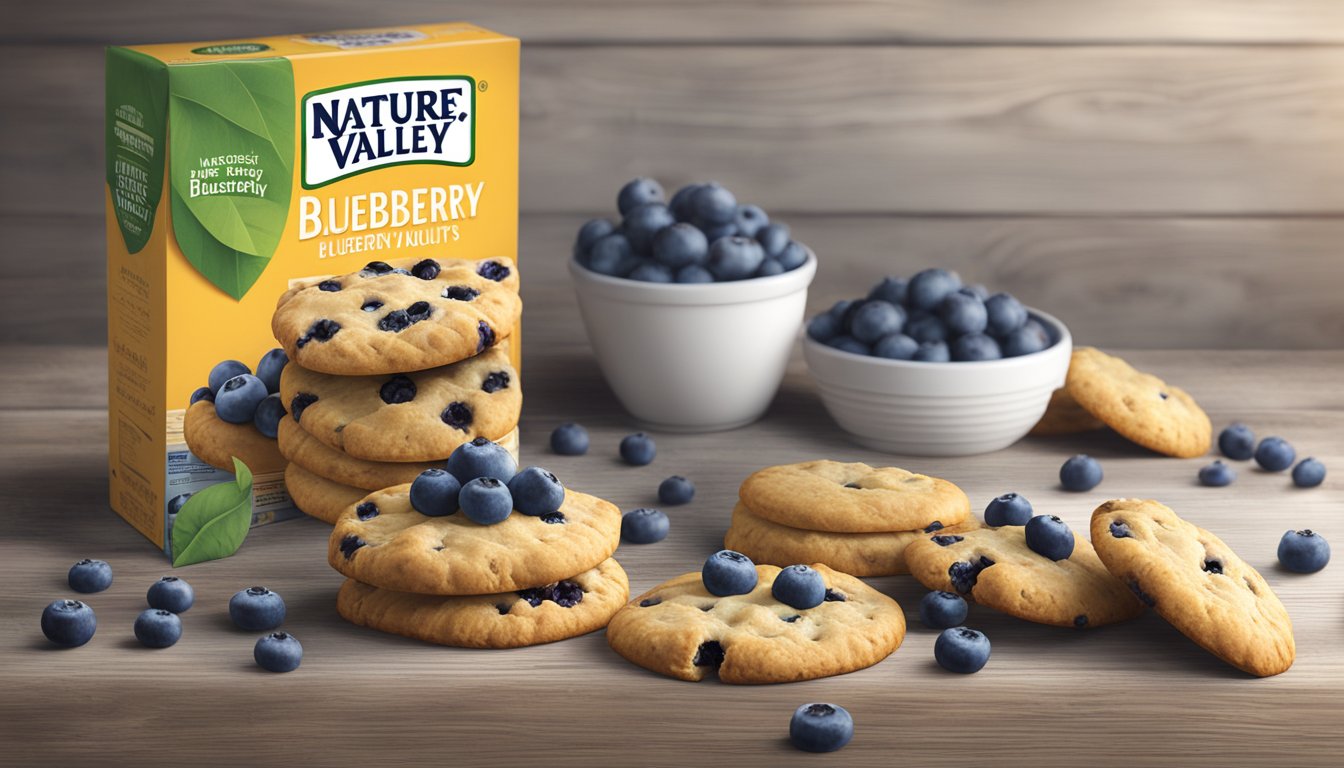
820	727
961	650
536	492
485	500
942	610
157	628
1237	442
727	572
1217	475
799	586
256	608
1308	473
481	458
434	492
90	576
1080	473
675	490
638	449
1303	551
68	623
569	439
1049	536
171	594
1274	454
645	526
278	652
1008	509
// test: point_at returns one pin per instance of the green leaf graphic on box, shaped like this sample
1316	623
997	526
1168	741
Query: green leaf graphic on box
214	522
243	113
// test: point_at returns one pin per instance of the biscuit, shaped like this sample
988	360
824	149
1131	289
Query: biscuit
1064	416
1138	405
852	498
418	416
569	608
382	320
216	442
680	630
996	568
381	541
858	554
1197	583
317	496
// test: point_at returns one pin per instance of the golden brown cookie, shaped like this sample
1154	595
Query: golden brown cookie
1196	582
1138	405
680	630
1064	416
317	496
568	608
852	498
216	442
404	316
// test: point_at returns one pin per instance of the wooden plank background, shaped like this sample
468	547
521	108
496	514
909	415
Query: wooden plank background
1159	174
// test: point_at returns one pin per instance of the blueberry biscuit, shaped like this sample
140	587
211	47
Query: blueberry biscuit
1064	416
216	442
383	542
418	416
852	498
680	630
389	318
1197	583
568	608
996	568
318	497
1138	405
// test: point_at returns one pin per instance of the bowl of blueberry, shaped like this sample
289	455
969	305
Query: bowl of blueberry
932	367
691	303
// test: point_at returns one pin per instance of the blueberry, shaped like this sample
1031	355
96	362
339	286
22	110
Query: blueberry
1028	339
1303	551
963	313
396	390
642	224
961	650
928	288
675	490
644	526
278	652
237	401
799	586
637	192
974	347
651	272
889	289
269	413
711	204
611	255
770	268
459	293
373	305
175	504
1008	509
851	308
728	573
202	393
481	458
735	258
1048	536
157	628
1080	473
569	439
942	610
323	330
933	352
225	371
749	220
485	336
895	346
774	238
680	204
376	269
493	270
792	257
715	232
823	327
1004	314
850	344
426	269
70	623
256	608
1217	475
495	381
1309	473
1274	454
840	309
876	319
458	415
638	449
300	403
591	231
820	727
536	492
485	500
170	594
926	329
329	286
680	245
964	574
90	576
366	510
694	274
1237	441
434	493
270	367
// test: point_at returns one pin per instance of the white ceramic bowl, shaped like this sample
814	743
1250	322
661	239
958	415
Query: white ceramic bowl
693	357
939	409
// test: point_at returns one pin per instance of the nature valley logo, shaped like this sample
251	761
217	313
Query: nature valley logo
351	129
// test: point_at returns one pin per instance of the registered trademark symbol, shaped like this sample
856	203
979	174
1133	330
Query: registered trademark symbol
484	86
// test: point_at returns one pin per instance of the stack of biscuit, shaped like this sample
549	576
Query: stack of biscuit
854	518
392	368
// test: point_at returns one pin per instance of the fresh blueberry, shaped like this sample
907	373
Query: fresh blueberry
458	415
1303	551
426	269
237	401
644	526
1308	473
651	272
694	274
225	371
70	623
889	289
1217	475
1004	314
481	458
1080	473
1237	442
1008	509
592	231
675	490
774	238
256	608
157	628
851	308
637	192
728	573
202	393
799	586
749	220
792	257
961	650
638	449
735	258
896	346
715	232
823	327
876	319
963	313
680	245
933	352
485	500
569	439
89	576
611	255
643	223
770	268
974	347
170	594
1274	454
840	309
942	610
820	727
1029	339
434	493
270	367
536	492
1048	536
846	343
278	652
712	205
926	328
680	204
928	288
269	413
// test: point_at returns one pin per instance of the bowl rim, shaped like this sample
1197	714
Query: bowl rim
727	292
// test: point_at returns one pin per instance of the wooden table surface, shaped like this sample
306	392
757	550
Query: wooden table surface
1136	694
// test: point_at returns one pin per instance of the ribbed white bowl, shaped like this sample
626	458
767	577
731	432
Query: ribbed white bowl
939	409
